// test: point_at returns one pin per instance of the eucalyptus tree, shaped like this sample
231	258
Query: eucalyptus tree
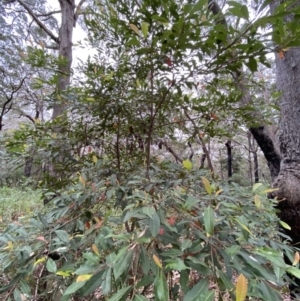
51	28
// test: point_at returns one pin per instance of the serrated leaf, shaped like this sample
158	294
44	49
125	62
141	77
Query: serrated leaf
187	164
95	249
157	261
257	201
285	225
120	294
161	287
135	29
207	185
83	277
209	220
51	266
241	288
296	258
145	28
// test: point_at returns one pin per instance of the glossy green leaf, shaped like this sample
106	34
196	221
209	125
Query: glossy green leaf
209	220
154	224
145	262
63	235
145	28
106	284
122	264
285	225
252	64
17	295
176	264
160	286
294	271
200	292
51	266
74	287
121	294
140	298
184	280
92	284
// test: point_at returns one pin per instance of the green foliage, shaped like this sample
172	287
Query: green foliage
120	219
168	224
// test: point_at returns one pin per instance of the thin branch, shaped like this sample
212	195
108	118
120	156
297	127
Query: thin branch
49	14
171	150
78	11
22	113
38	21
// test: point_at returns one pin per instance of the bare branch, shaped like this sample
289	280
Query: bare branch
171	150
49	14
38	21
22	113
78	11
51	47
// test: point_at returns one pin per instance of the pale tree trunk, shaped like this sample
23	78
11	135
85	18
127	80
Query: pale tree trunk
65	52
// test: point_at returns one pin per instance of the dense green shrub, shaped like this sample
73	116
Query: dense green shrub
125	238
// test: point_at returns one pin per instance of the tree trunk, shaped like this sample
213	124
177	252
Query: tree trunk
65	53
229	158
249	157
255	161
288	180
202	160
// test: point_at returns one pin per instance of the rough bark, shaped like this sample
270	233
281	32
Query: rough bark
288	78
